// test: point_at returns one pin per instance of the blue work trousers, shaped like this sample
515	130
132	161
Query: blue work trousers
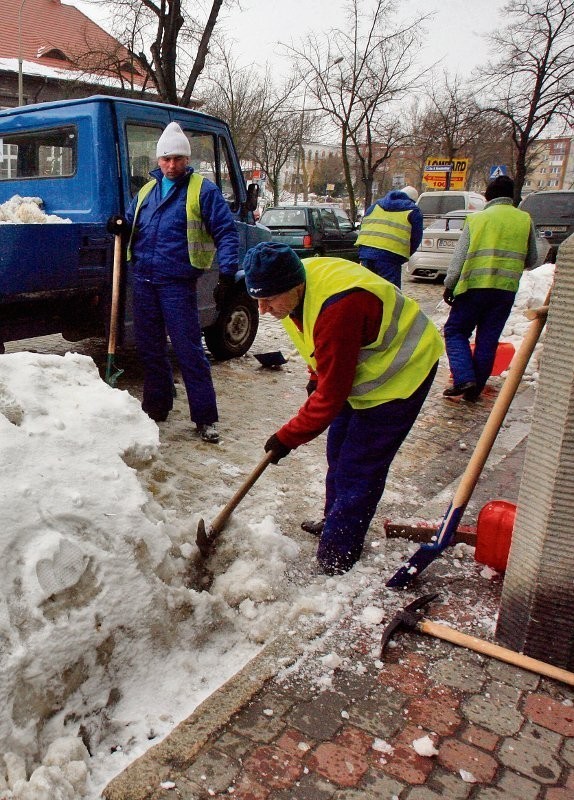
172	307
361	445
486	310
392	272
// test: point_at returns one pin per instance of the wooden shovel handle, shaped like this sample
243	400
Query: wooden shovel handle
228	508
502	404
495	651
116	283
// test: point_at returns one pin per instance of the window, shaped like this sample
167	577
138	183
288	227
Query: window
142	141
329	220
50	153
345	223
227	185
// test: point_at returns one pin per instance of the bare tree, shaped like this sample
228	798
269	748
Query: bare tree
531	83
450	124
168	39
377	69
246	99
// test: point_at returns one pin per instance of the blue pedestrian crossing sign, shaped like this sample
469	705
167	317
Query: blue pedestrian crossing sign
497	170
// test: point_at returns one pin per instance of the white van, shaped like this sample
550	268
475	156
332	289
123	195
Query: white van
437	204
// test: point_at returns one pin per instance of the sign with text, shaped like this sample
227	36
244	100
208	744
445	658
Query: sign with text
438	169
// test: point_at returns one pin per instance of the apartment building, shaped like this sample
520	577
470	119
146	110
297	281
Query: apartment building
552	165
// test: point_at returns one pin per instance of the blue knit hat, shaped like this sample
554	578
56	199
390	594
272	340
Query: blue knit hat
272	268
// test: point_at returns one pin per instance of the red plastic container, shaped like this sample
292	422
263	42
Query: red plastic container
494	533
504	353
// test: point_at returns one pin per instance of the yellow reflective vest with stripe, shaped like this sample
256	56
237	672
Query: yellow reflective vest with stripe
387	230
200	245
497	251
405	350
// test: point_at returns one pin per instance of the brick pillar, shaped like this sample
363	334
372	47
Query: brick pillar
538	593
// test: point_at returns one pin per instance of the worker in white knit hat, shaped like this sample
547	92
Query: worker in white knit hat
179	221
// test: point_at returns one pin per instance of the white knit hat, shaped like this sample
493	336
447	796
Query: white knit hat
173	142
410	192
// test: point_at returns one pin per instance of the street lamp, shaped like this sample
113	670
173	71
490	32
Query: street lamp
20	76
301	128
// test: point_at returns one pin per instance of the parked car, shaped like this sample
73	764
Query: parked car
313	230
553	217
436	204
432	258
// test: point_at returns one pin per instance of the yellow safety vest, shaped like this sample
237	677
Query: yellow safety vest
497	250
200	245
406	348
387	230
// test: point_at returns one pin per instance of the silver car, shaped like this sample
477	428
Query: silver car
431	260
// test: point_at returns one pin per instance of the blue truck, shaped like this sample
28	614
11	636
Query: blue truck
85	159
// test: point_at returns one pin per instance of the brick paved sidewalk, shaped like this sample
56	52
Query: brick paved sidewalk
295	724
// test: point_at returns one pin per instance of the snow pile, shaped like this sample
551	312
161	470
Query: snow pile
27	210
102	626
532	291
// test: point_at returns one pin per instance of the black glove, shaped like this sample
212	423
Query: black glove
311	386
276	446
224	290
117	224
448	297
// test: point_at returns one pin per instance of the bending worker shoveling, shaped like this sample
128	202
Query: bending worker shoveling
373	356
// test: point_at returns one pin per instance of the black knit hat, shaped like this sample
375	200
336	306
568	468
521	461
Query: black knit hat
272	268
503	186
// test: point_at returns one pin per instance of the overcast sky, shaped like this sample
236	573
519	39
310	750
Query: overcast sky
453	35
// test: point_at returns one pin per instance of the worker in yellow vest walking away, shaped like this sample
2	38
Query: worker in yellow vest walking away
495	246
391	231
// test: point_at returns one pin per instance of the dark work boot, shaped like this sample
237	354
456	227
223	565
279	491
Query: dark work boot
315	528
455	391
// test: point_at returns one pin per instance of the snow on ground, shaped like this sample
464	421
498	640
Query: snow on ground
106	638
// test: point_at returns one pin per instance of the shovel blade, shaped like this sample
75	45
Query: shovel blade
113	372
202	540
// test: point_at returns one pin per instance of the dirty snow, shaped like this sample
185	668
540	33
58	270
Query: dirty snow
109	636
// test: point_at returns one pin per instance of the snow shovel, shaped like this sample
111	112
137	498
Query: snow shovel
427	553
113	372
204	539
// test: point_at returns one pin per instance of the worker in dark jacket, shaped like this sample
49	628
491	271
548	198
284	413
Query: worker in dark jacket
373	354
179	221
391	231
495	246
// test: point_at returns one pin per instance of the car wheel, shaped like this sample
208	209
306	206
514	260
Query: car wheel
232	334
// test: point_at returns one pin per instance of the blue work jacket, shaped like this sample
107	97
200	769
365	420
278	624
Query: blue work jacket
159	245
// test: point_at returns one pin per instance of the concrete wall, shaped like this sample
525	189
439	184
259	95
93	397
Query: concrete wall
536	614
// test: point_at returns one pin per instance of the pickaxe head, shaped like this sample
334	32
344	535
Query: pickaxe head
406	619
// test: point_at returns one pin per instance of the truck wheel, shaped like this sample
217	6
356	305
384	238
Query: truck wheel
232	334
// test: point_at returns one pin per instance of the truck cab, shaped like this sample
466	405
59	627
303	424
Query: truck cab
84	160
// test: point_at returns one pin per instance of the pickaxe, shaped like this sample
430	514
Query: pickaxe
410	618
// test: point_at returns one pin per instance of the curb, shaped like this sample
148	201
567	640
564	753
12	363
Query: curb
181	746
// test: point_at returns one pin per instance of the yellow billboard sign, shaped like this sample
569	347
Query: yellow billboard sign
443	173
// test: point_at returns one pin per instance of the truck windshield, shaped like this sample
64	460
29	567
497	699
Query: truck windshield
48	153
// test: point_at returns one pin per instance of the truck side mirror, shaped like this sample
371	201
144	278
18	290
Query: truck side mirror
252	197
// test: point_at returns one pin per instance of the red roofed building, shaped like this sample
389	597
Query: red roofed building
62	54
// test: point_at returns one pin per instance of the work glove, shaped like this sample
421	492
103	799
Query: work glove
311	386
276	446
224	290
117	225
448	297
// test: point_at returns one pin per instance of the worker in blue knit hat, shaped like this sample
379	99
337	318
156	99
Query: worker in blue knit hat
373	355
